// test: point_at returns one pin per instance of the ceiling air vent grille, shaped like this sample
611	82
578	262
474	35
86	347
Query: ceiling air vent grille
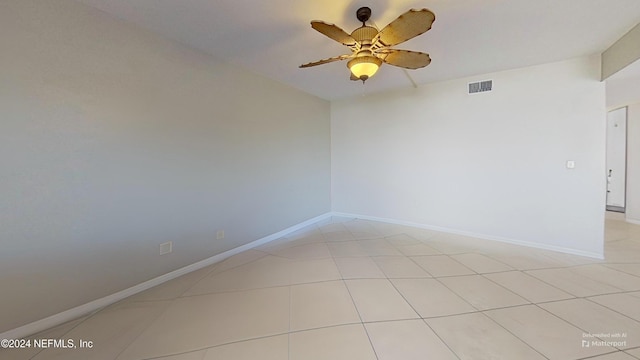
480	86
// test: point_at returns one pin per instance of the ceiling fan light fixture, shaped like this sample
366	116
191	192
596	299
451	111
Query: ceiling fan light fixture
364	67
371	47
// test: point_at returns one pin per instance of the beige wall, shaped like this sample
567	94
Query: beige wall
114	140
622	53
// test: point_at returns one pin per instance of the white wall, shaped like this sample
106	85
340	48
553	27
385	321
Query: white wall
622	92
632	212
490	164
114	140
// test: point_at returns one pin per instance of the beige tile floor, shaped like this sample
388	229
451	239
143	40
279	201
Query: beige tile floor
355	289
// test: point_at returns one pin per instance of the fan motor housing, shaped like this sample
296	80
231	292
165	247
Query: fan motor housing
364	33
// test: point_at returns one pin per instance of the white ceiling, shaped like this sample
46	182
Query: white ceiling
469	37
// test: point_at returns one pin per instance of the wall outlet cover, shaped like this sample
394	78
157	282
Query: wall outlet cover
166	248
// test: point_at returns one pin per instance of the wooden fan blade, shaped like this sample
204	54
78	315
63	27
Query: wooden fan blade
405	27
333	32
404	58
325	61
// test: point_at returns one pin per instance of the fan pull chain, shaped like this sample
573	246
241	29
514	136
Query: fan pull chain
410	78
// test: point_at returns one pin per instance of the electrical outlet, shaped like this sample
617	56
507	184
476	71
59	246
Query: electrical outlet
166	248
220	235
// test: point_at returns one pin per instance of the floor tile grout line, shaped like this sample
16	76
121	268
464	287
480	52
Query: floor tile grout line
177	354
356	278
267	337
567	291
475	311
463	265
490	258
483	312
236	266
458	295
587	297
86	317
568	322
622	263
361	278
414	261
251	289
416	311
275	245
348	291
521	296
441	339
546	283
622	271
142	331
423	320
515	335
358	312
199	279
300	259
615	311
554	266
599	355
633	356
604	265
507	289
206	348
327	327
289	327
96	312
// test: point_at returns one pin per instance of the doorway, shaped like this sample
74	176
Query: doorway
616	159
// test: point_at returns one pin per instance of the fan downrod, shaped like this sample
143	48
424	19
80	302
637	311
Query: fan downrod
363	14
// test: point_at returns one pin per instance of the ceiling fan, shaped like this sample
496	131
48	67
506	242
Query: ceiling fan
370	47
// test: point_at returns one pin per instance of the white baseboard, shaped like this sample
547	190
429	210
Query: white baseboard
79	311
589	254
632	221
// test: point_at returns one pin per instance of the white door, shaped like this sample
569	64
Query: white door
616	159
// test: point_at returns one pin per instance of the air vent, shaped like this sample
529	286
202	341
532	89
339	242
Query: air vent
480	86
